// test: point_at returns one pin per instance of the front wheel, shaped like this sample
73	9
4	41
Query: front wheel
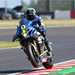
48	63
33	56
49	58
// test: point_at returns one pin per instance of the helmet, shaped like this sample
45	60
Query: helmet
30	13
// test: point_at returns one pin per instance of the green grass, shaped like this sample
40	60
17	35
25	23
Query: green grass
8	44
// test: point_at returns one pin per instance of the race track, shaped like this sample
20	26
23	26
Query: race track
63	48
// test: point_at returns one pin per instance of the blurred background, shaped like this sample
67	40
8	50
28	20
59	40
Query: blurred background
59	19
49	9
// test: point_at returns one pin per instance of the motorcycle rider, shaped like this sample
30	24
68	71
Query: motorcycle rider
32	22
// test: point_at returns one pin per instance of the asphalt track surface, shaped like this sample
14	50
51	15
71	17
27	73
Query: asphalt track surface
63	48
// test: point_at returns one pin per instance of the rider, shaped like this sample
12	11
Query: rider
32	22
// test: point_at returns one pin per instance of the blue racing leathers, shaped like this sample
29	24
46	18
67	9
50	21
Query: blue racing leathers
31	26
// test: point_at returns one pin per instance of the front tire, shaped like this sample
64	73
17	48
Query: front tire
33	56
49	62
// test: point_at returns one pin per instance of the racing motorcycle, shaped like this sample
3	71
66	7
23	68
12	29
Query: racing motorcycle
37	54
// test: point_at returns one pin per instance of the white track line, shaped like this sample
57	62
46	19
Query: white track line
13	74
64	62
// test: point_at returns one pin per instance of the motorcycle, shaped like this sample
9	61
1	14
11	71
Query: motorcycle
37	55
